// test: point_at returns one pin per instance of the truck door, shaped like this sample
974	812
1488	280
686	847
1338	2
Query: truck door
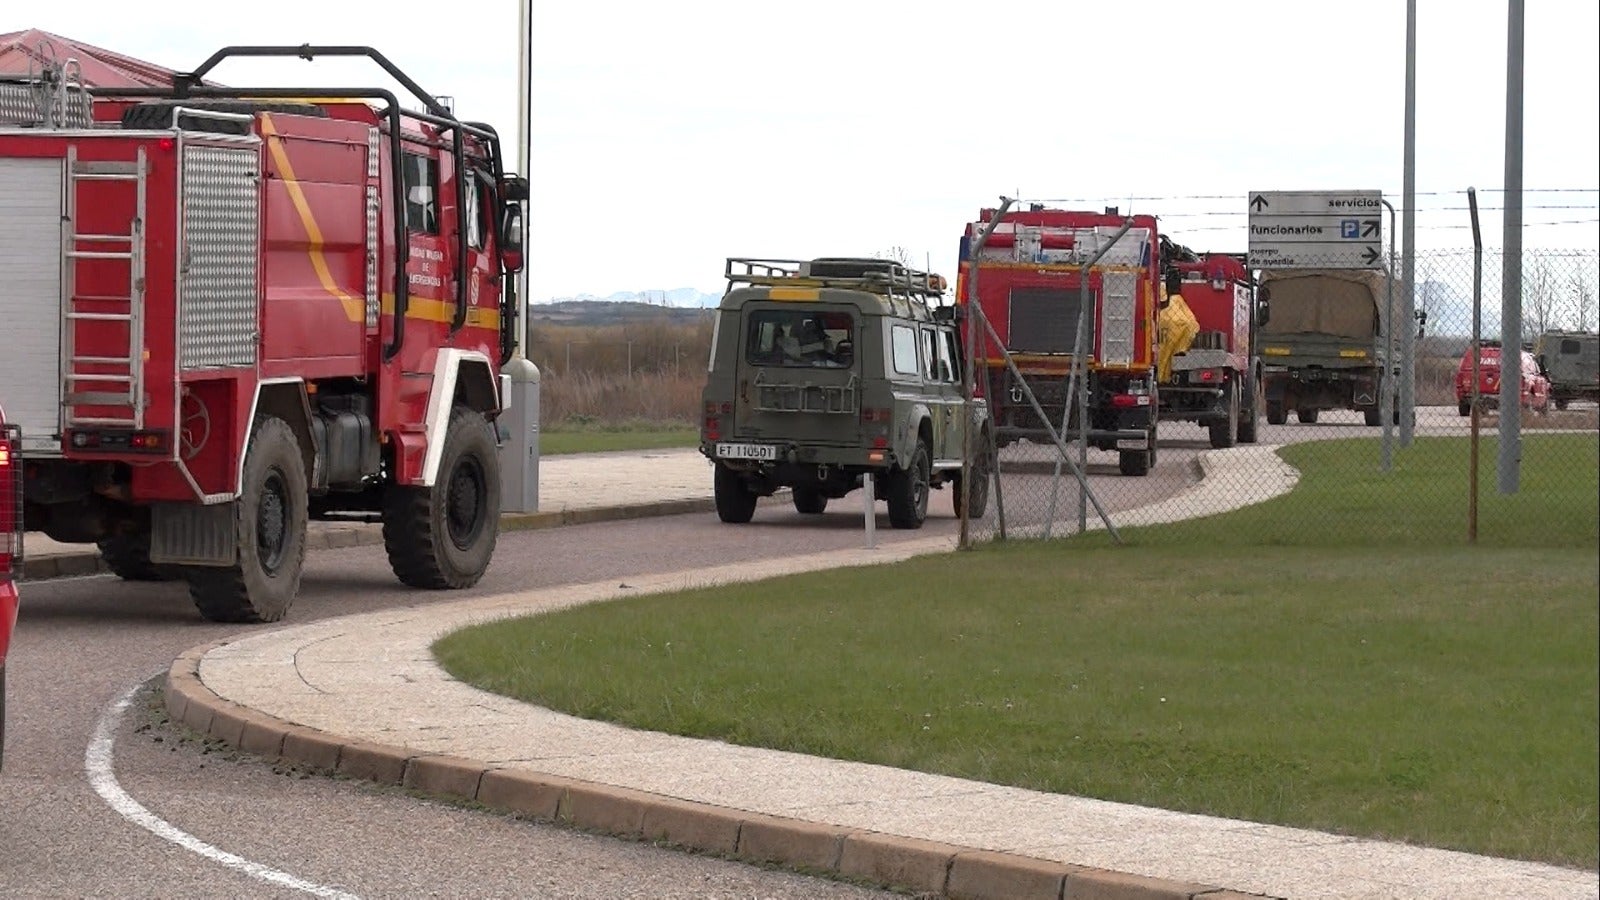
429	258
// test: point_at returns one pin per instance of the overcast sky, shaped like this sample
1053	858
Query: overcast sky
669	136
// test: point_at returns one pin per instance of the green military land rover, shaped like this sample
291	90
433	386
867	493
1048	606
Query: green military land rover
831	371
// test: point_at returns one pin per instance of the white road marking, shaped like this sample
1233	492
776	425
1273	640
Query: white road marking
97	761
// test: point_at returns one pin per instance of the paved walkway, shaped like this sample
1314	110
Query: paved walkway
362	696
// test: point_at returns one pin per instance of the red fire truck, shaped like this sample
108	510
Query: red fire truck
1214	378
240	309
1030	274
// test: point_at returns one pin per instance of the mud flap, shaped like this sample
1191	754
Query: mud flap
188	534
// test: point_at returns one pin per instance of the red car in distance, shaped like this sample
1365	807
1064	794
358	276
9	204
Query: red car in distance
1535	386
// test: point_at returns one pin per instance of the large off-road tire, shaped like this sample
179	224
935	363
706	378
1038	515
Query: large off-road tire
1464	407
128	557
1372	415
269	526
443	536
736	503
907	492
809	501
1249	426
156	115
1307	416
1561	404
1276	413
1225	431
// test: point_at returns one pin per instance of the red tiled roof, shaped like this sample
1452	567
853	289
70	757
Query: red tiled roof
22	50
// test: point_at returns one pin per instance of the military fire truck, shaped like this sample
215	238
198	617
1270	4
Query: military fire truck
1213	374
234	310
1030	273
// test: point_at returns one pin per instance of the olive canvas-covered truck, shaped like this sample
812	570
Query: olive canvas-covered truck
1571	360
829	372
1322	343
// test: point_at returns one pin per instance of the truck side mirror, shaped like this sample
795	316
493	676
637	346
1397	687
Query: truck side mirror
514	188
1263	307
511	256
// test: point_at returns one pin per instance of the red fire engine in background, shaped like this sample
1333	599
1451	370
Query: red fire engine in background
1030	273
239	309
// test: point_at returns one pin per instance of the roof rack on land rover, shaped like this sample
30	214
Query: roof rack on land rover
879	276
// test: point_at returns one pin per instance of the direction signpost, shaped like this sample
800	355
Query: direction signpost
1316	229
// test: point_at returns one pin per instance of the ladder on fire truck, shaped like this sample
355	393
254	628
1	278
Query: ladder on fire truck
116	383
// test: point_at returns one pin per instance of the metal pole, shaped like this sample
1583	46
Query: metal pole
1387	408
525	161
869	501
969	380
1473	348
1408	245
1511	265
975	311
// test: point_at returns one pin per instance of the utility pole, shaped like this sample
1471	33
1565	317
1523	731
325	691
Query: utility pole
1511	265
1408	244
519	378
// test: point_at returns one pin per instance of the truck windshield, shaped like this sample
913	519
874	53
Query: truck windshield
807	338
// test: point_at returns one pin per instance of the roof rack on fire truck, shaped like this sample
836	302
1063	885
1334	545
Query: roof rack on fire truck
878	276
191	85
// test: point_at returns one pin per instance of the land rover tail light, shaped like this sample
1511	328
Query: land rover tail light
10	502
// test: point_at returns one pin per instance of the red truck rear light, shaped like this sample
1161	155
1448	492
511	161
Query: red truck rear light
113	440
10	502
1128	401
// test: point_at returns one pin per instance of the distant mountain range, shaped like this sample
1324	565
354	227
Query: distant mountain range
678	298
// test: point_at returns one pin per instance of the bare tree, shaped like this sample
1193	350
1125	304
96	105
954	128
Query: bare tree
1539	299
1582	298
896	253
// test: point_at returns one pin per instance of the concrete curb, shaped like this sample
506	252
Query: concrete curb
888	860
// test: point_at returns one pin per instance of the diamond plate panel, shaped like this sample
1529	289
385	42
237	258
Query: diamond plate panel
1116	336
372	152
19	105
217	284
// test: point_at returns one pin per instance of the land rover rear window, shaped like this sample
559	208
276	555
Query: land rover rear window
804	338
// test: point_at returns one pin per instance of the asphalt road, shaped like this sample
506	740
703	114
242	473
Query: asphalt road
84	643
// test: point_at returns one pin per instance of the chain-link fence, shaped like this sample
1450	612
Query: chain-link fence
1317	407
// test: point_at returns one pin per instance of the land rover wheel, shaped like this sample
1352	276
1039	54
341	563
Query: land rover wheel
908	490
1464	407
810	501
1372	415
1225	431
736	503
269	529
443	535
1306	416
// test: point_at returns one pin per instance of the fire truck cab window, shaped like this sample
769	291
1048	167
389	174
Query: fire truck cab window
422	192
478	204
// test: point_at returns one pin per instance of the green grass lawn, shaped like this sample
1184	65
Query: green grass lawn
1328	659
594	437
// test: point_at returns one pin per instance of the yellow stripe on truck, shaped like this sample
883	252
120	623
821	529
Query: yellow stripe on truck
354	308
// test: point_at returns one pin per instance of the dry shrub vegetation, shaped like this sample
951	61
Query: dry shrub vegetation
638	374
